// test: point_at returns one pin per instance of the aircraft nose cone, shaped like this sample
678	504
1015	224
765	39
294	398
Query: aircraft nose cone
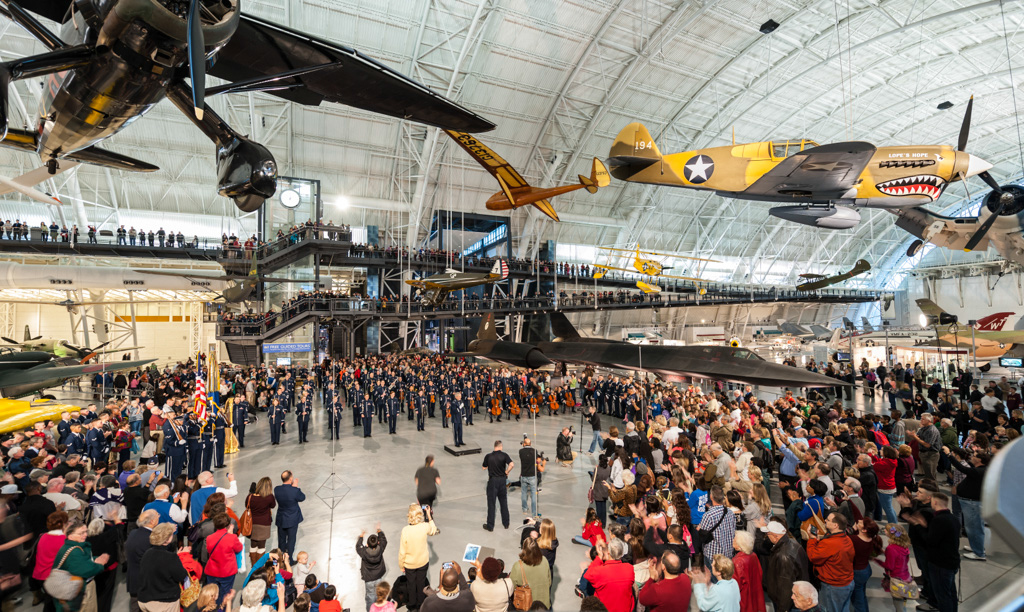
976	165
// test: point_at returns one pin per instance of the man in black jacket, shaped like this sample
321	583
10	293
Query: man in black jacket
868	486
787	563
673	539
135	546
372	567
35	509
942	541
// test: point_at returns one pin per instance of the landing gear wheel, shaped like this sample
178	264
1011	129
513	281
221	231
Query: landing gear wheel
51	166
915	248
47	397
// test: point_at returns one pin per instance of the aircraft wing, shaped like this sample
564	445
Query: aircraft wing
929	307
261	48
603	267
210	275
545	207
1009	336
689	278
423	284
46	372
491	161
822	173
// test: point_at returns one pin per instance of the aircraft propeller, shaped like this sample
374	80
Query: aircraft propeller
196	57
1002	196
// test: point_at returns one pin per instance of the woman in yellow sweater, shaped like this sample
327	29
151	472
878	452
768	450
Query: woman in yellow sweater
413	553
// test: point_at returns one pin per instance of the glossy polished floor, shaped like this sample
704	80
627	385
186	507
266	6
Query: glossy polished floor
355	483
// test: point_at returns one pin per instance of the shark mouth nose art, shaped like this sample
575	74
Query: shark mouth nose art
924	184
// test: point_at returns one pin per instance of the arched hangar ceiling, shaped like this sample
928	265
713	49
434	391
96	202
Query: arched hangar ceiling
561	78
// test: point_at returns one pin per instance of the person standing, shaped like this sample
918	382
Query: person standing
458	408
372	568
595	424
786	564
414	554
135	546
289	515
260	503
717	519
222	546
941	543
174	444
75	557
832	555
930	441
302	412
427	478
528	477
241	417
497	464
366	410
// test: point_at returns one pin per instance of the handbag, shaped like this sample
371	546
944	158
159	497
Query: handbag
245	522
814	521
900	589
522	597
707	536
590	491
62	584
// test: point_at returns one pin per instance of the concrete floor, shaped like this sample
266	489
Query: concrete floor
354	483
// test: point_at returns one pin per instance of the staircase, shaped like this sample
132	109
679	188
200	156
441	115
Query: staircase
244	354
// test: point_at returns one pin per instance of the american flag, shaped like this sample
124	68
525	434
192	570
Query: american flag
200	395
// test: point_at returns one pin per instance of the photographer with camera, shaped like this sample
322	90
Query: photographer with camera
563	447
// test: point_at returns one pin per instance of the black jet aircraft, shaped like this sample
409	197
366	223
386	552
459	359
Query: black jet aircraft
673	363
31	372
438	286
113	60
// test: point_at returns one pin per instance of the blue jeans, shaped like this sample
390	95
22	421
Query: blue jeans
835	598
286	539
885	503
602	511
943	583
859	600
371	592
528	489
596	442
974	525
223	585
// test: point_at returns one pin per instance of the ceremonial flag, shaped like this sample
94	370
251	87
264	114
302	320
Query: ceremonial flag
200	394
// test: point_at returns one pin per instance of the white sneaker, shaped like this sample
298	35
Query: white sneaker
967	548
973	557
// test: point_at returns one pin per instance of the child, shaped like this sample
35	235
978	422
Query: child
592	530
383	604
302	567
897	566
329	603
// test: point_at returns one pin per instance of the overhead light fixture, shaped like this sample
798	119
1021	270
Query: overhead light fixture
769	26
945	105
342	202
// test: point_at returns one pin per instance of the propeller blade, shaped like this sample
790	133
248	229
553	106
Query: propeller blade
35	338
73	347
978	235
965	127
991	182
196	58
6	339
102	345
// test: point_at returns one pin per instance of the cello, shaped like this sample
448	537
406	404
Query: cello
513	406
552	403
496	407
534	406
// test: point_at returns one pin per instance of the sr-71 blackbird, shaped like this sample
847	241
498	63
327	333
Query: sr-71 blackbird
674	363
113	60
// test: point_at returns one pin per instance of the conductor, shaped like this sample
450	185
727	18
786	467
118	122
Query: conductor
497	464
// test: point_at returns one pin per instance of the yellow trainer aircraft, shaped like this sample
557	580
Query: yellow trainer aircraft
515	191
822	182
642	263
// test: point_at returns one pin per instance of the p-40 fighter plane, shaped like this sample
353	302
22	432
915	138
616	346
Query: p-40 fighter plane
515	191
61	348
820	281
643	263
113	60
822	182
31	372
437	287
675	363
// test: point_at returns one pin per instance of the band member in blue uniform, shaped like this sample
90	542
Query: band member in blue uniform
431	396
420	406
459	409
393	406
75	442
206	434
367	406
355	400
195	445
276	417
303	409
241	415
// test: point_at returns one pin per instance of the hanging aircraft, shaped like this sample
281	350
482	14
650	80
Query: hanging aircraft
1005	230
515	191
236	288
31	372
642	262
61	348
989	340
823	183
816	332
437	287
674	363
114	60
820	281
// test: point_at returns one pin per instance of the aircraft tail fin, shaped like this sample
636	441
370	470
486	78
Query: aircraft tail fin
929	307
599	177
848	324
28	334
868	327
545	207
561	328
500	269
635	142
837	337
487	330
994	322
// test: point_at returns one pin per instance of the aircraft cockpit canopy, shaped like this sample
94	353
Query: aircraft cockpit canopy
783	149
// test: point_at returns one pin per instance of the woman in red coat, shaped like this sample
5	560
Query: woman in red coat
221	547
748	573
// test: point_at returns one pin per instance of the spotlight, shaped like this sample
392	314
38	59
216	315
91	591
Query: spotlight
769	26
945	105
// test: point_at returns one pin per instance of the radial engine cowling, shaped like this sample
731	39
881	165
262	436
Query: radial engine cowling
825	217
518	354
246	173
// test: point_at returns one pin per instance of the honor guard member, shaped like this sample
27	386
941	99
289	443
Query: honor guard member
285	403
206	435
276	416
195	445
75	442
174	444
302	411
367	407
459	410
289	387
420	402
394	406
355	401
241	418
220	431
95	442
334	415
380	401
